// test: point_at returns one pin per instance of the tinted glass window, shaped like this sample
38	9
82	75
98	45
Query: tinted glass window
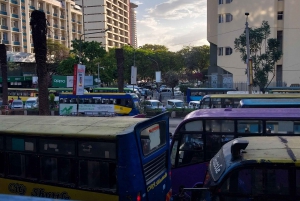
2	159
1	141
205	103
284	127
97	149
62	147
24	166
20	144
191	149
97	175
226	126
298	182
193	126
153	137
249	126
277	182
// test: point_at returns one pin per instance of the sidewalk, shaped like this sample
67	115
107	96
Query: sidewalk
175	121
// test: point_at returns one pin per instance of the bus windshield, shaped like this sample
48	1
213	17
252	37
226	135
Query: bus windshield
203	132
196	94
80	158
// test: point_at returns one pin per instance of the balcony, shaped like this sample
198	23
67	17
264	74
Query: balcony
24	34
23	14
3	12
25	47
23	20
62	27
24	40
5	42
14	2
73	30
32	7
56	37
4	27
73	20
15	29
49	36
62	17
48	12
32	44
16	43
55	25
79	22
63	38
15	15
55	14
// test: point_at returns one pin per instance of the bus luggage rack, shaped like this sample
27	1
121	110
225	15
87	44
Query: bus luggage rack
93	114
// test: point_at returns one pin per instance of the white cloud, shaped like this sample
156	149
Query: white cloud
137	2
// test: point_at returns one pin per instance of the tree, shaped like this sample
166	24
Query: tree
56	52
264	51
39	31
171	78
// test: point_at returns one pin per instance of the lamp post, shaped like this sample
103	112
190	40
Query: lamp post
99	81
80	43
248	55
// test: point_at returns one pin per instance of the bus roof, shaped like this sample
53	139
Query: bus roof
23	89
111	88
260	96
267	102
251	113
94	127
282	88
212	89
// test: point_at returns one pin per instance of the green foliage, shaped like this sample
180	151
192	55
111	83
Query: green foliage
51	98
171	78
264	51
183	87
66	67
56	52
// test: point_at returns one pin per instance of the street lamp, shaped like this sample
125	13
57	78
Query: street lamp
80	43
248	55
98	80
155	62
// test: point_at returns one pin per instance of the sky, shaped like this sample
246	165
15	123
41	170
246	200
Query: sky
173	23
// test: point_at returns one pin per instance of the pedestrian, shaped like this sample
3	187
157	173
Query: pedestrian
19	98
160	98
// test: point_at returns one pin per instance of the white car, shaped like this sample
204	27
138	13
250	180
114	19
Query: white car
175	103
153	104
194	104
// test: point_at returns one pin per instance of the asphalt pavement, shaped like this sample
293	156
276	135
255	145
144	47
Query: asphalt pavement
173	123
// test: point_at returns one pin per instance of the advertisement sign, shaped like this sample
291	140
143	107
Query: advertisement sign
59	81
67	109
158	76
88	81
96	108
78	82
133	74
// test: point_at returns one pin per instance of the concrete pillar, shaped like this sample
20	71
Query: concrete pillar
25	112
52	113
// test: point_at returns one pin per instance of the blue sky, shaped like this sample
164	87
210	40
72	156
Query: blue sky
173	23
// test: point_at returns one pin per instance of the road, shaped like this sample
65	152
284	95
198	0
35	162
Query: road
173	124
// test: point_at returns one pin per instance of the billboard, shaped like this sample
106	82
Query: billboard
78	80
158	76
133	74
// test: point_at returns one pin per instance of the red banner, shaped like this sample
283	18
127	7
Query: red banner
75	79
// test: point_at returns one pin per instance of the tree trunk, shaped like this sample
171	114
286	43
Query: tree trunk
39	31
3	60
120	66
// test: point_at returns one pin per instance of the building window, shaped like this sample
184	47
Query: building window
228	1
3	22
220	49
228	17
15	24
5	36
280	15
220	1
3	7
279	39
16	37
221	18
279	75
228	51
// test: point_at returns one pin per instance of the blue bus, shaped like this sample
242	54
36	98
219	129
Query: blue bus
196	94
86	158
123	104
267	103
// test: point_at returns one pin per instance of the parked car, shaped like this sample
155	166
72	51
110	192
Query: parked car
194	104
0	102
153	104
31	103
145	92
175	103
16	104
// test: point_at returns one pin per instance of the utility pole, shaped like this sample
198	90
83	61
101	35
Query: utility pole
248	55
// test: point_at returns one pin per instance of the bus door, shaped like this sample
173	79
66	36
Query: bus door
153	140
187	157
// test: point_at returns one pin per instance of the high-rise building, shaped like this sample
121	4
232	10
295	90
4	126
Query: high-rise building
64	22
116	15
226	21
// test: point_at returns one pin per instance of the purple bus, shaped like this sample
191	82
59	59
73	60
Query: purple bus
203	132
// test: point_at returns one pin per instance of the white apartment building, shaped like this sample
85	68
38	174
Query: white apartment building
226	21
64	17
116	15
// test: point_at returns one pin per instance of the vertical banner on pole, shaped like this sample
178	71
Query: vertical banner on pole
250	72
133	74
78	81
158	76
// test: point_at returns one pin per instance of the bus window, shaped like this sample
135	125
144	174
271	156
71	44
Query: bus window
62	147
193	126
298	182
249	126
2	159
173	154
277	181
191	149
24	166
216	103
280	127
297	127
205	103
97	149
226	126
96	175
153	137
1	143
21	144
